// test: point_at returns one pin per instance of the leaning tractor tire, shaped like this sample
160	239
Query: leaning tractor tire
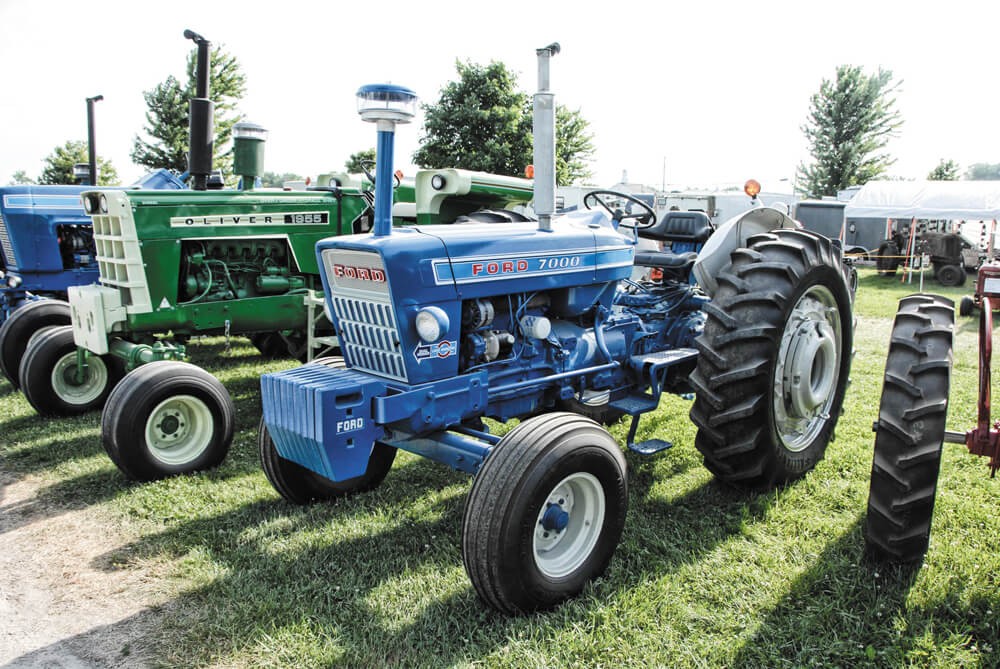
18	328
50	379
545	513
167	418
774	360
887	263
910	430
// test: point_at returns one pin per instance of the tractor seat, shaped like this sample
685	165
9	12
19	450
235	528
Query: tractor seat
686	231
681	226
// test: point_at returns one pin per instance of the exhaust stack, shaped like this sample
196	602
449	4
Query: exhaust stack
544	130
201	110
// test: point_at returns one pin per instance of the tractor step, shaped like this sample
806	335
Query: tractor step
650	446
635	404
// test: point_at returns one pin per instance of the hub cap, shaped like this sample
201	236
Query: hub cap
69	389
179	429
568	525
805	382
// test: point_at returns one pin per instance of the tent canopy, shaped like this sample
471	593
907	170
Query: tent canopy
932	200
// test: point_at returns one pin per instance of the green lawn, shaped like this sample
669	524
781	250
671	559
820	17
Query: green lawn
704	575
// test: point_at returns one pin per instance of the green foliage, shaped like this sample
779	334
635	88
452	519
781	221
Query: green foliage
354	163
983	172
20	177
482	122
167	117
946	170
275	180
59	166
850	120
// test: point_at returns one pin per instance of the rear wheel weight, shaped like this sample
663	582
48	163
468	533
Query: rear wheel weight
545	513
910	430
17	330
165	418
774	360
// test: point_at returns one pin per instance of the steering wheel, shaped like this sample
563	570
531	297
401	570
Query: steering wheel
367	166
643	219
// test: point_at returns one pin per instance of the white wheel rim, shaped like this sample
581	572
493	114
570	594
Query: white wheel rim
805	383
179	429
568	525
64	383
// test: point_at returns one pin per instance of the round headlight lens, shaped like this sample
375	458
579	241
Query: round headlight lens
431	323
88	204
104	203
438	182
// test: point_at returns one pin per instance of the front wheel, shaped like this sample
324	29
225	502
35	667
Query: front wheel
774	359
910	430
545	513
167	418
950	275
966	306
53	381
17	330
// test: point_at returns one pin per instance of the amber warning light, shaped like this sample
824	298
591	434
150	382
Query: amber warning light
529	172
752	188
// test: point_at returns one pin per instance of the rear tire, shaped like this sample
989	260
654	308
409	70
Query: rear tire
774	359
545	513
48	375
18	328
886	264
165	418
950	275
910	430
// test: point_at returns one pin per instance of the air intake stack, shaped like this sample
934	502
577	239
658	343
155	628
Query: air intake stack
544	129
201	124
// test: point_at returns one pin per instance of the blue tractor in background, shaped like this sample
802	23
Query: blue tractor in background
46	246
442	326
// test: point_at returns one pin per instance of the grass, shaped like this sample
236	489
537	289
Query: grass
704	576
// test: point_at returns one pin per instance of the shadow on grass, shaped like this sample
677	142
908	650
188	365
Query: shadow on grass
56	499
377	579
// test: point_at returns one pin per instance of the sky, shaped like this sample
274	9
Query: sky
677	94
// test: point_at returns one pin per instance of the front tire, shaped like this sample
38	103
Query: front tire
167	418
887	263
910	430
950	275
966	306
774	360
49	378
18	328
545	513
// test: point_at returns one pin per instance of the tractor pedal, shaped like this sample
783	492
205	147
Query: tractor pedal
635	404
650	446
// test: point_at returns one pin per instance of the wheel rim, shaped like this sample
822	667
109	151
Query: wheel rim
179	429
568	525
809	368
68	389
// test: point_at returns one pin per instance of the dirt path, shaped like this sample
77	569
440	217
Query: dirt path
63	602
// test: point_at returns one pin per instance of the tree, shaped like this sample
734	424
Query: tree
354	163
983	172
21	177
167	118
946	170
850	120
59	166
482	122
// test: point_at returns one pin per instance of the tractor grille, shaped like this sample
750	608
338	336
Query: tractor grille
369	337
119	258
5	246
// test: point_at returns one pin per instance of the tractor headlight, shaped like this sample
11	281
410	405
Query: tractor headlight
13	281
104	203
88	204
431	322
438	182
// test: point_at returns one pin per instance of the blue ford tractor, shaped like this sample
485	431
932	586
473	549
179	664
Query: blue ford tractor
443	326
46	246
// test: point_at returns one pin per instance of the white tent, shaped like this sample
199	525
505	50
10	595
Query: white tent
931	200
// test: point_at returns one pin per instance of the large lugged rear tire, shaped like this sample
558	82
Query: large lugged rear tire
167	418
18	328
545	513
774	359
910	430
